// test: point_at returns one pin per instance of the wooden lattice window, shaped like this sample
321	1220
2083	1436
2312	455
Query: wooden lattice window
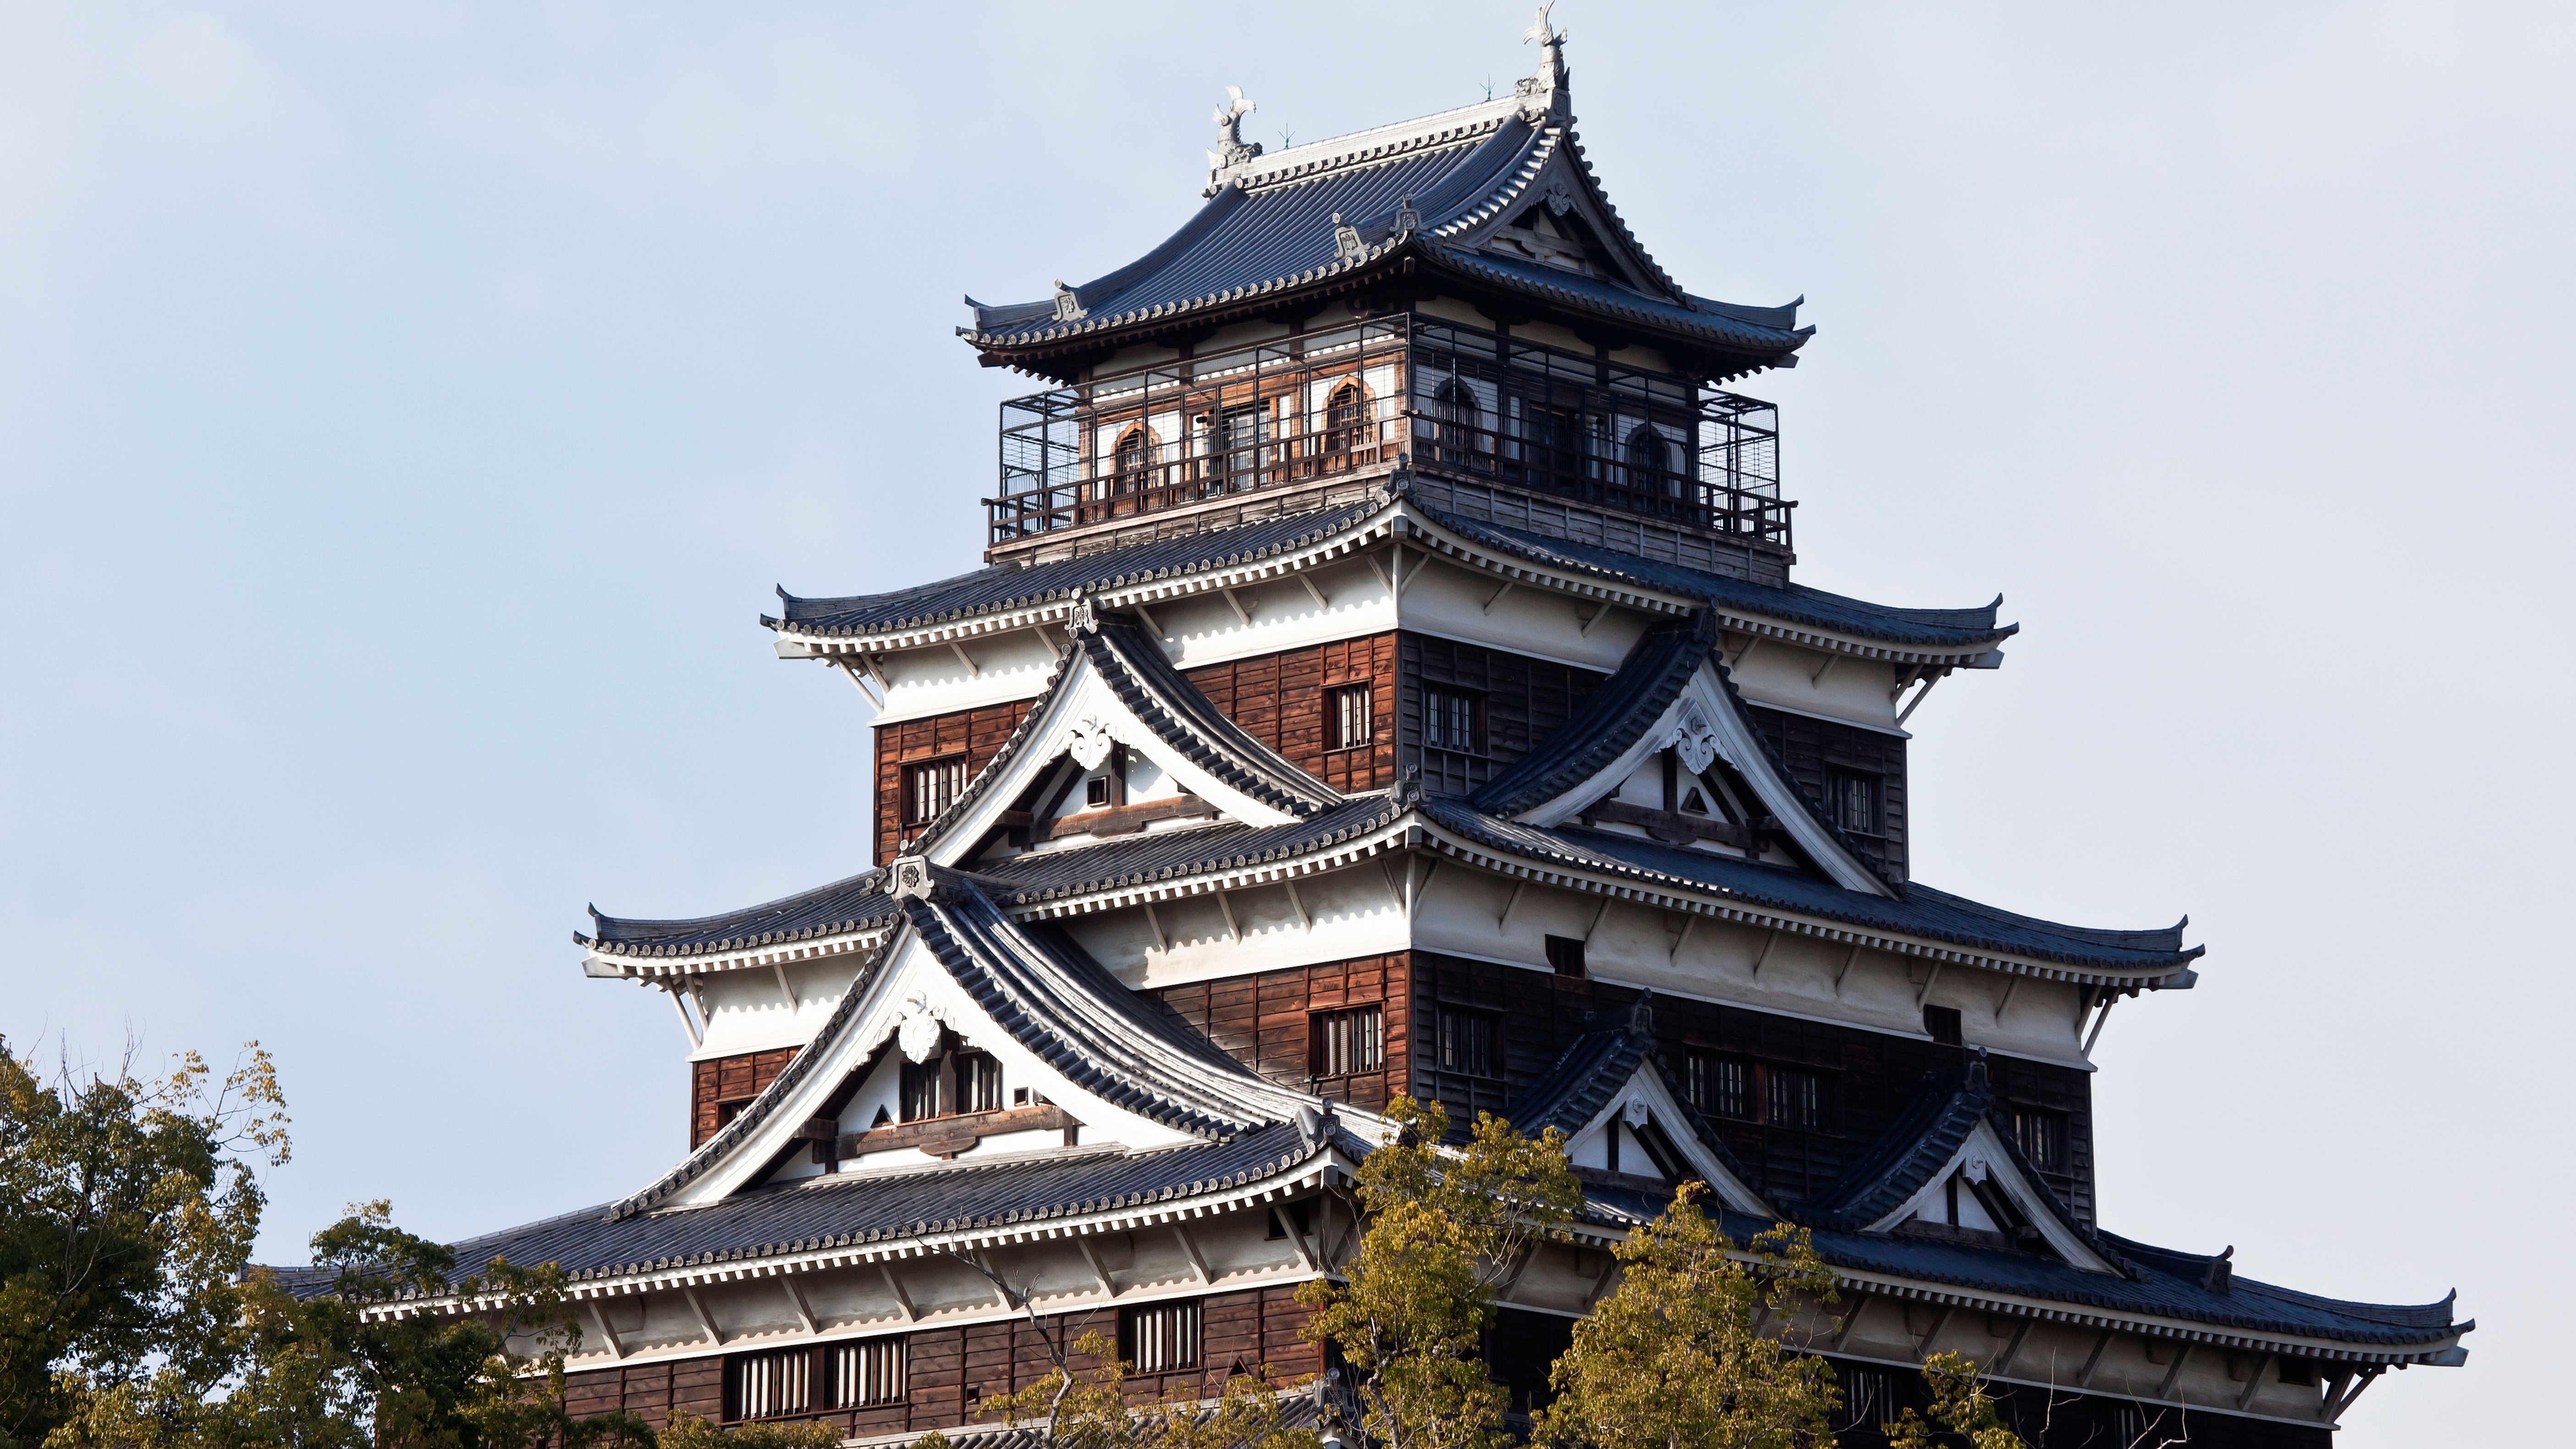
1452	720
768	1385
1354	722
870	1371
1721	1086
930	787
1793	1098
1157	1338
920	1089
1347	1041
1346	420
1465	1040
1133	460
2041	1136
979	1082
1851	799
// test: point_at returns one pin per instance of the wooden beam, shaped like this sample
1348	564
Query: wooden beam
1904	681
1851	1321
1240	611
1674	956
1299	903
599	1319
894	1286
2084	1380
2254	1382
1099	1270
1413	894
706	1320
1923	1348
1916	702
1150	623
1317	594
1601	1284
695	1040
1848	962
1925	994
1590	931
1296	1239
2004	1362
1406	581
1233	931
1161	941
2011	985
860	682
2108	1001
1599	614
1751	643
804	1310
972	668
783	988
2182	1355
1503	922
1496	596
1817	679
1769	940
1190	1251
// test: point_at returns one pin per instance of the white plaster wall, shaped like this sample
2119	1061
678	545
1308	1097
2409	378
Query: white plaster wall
1355	913
1854	690
746	1012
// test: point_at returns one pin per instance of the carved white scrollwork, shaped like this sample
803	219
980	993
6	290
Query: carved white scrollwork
919	1032
1695	737
1089	741
1635	1112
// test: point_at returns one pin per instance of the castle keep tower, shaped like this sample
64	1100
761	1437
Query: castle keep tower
1388	678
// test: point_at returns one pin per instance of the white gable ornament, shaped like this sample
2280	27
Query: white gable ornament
1089	742
919	1032
1695	738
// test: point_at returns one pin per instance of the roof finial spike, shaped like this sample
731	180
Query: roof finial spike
1544	93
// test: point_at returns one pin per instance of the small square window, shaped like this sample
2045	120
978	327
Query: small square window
1941	1023
1095	791
1721	1086
1565	955
1453	720
1793	1098
1160	1337
930	787
1353	723
1347	1041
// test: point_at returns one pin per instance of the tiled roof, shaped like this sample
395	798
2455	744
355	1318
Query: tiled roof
1591	1070
857	1209
833	910
1920	1142
1794	604
1620	710
1923	912
1011	586
1158	855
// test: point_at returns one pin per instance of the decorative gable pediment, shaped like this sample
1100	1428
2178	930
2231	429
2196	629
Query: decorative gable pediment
1983	1187
1616	1104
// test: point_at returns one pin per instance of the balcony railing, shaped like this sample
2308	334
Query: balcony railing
1451	398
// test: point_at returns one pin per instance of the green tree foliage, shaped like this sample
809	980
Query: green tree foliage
1445	1225
688	1431
1093	1410
130	1205
1962	1411
1675	1357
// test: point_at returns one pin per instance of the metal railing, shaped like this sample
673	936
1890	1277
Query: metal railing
1450	398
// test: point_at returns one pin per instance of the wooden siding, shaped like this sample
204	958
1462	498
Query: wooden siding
1812	746
1870	1075
1265	1021
1279	699
1525	701
949	1372
719	1082
976	734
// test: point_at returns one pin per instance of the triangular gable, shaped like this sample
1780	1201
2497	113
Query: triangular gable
1670	694
1115	687
958	973
1611	1096
1996	1183
1579	224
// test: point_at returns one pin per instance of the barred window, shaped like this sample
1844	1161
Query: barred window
931	787
1565	955
979	1083
1353	722
867	1372
2041	1136
920	1090
1159	1337
1721	1086
1869	1398
1347	1041
1941	1023
1851	798
1467	1043
1794	1098
1449	721
766	1385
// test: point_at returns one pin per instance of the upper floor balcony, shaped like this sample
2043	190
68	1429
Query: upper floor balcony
1300	411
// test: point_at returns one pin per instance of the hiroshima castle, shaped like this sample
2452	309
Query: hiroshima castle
1387	678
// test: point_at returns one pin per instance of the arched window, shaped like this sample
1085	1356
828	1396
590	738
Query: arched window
1652	467
1457	423
1133	463
1346	420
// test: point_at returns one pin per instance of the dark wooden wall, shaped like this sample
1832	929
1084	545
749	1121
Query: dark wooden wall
1262	1020
976	734
1811	746
1525	701
950	1371
719	1082
1278	699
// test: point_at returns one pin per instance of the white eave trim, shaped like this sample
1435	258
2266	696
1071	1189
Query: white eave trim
615	965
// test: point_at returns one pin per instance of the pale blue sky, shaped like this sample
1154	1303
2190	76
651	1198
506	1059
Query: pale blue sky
405	410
